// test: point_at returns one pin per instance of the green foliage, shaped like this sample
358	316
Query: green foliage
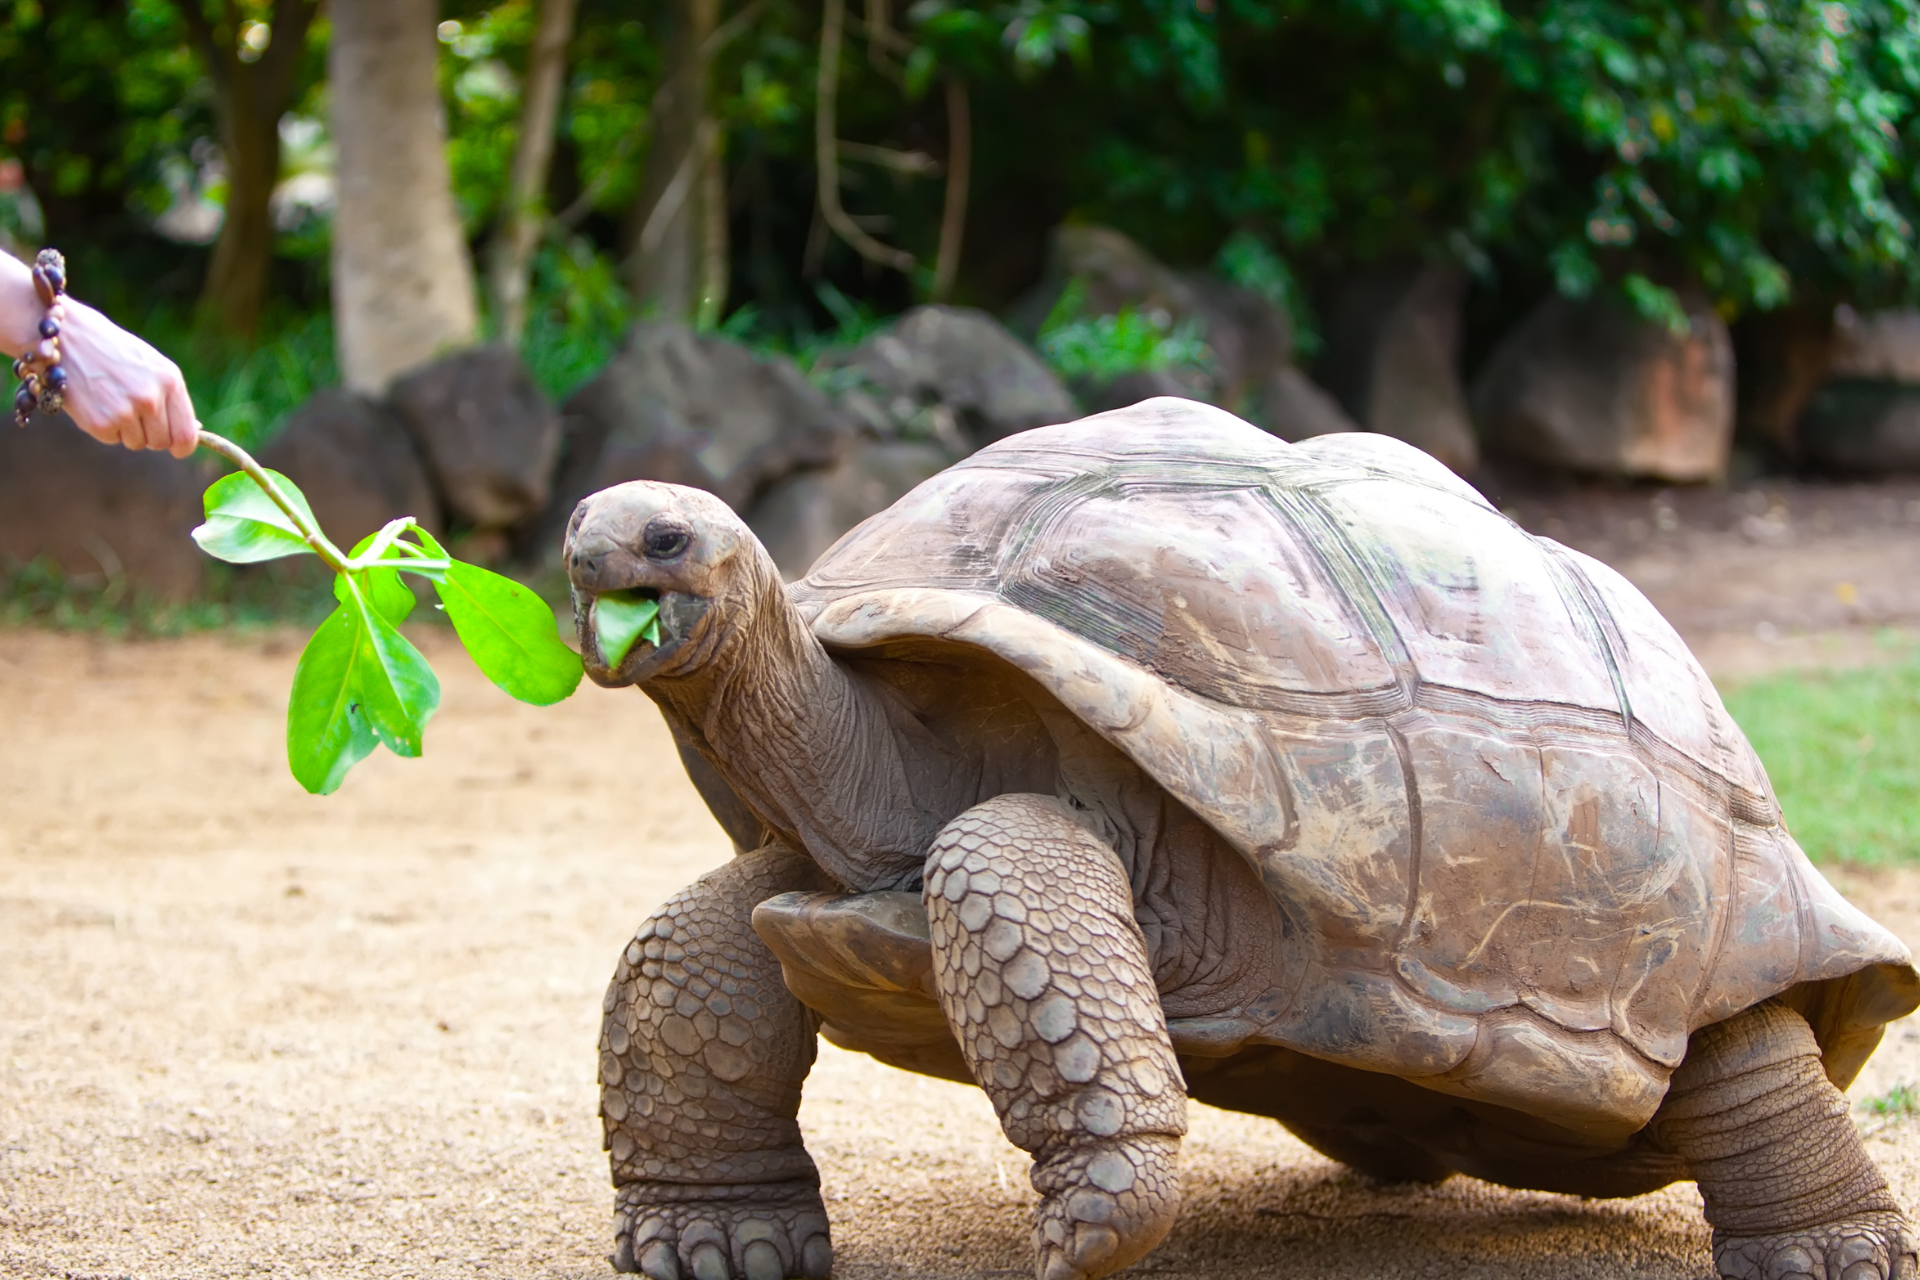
246	393
360	682
1843	750
577	314
1251	263
1897	1103
1100	348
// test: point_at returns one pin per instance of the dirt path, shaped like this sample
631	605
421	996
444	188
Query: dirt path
244	1031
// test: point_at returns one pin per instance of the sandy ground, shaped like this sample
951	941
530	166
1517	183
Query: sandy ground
246	1031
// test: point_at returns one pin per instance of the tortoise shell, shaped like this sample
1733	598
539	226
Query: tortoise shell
1519	848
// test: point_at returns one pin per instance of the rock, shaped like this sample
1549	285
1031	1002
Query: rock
1393	354
1781	357
489	438
705	409
357	465
1861	425
1142	384
1877	345
1592	386
1249	335
1290	406
964	359
100	511
806	513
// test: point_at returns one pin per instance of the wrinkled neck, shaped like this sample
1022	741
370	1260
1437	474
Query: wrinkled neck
805	744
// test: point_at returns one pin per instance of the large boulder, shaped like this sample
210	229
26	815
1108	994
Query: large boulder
1392	358
1861	425
1248	335
1128	389
806	513
1593	386
708	411
489	438
991	382
1865	419
100	512
1288	404
357	465
1880	346
1781	357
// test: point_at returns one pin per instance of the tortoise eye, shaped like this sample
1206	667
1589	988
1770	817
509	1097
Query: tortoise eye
665	537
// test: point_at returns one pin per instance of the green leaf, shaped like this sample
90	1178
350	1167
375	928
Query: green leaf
510	633
381	586
327	729
243	524
395	684
507	629
622	617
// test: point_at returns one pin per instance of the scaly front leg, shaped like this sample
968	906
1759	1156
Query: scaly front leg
1043	975
702	1055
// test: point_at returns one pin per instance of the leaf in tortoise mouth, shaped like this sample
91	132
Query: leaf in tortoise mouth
622	617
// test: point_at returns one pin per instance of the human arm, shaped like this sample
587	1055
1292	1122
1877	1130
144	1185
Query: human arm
119	389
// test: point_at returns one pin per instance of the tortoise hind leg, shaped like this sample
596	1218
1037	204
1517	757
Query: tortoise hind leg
1042	973
1788	1186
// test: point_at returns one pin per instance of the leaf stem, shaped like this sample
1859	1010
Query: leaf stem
308	530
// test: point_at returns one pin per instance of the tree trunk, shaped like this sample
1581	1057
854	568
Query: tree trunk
402	282
520	220
249	99
953	216
665	266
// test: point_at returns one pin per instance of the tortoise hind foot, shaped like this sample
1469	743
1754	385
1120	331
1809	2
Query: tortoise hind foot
1103	1205
763	1231
1869	1246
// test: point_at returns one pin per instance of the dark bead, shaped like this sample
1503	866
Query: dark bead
20	368
57	277
56	379
49	327
25	402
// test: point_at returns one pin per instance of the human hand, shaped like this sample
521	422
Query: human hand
119	389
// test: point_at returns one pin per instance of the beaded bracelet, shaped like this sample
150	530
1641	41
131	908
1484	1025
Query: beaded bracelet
43	383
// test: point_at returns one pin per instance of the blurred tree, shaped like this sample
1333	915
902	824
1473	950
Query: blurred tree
254	51
101	101
671	267
402	278
1747	145
524	211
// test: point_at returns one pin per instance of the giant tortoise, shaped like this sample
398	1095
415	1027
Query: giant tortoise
1147	757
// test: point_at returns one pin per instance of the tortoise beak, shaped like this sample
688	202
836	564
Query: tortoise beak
609	583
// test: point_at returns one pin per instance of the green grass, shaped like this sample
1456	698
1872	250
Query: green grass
39	594
1843	750
1898	1102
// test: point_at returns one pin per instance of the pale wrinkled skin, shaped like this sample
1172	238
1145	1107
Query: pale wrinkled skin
972	859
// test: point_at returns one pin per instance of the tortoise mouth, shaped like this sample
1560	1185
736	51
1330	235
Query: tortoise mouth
627	634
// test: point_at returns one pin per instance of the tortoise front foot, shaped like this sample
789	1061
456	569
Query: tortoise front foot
1043	975
1870	1246
769	1231
1104	1205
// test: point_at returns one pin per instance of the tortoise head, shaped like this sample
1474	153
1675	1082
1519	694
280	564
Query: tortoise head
683	549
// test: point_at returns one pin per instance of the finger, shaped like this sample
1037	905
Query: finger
149	429
183	430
